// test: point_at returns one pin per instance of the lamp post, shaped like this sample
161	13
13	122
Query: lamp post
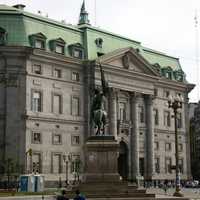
175	104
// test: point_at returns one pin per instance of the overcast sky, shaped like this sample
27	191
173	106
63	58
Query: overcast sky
164	25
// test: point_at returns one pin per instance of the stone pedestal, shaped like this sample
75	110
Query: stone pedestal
101	159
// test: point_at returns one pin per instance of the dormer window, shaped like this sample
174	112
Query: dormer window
157	67
76	50
167	72
58	46
38	40
99	42
3	36
179	75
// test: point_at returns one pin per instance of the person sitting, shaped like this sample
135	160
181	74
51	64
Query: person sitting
78	196
63	196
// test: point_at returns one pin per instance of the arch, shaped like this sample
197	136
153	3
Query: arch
123	160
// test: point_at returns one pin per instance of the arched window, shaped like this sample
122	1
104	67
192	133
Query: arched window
3	36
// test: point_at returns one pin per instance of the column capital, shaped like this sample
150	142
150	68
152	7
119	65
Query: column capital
113	92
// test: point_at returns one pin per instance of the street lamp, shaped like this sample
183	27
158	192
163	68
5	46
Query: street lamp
175	104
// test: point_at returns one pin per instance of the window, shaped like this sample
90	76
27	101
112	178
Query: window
57	45
56	163
166	94
57	104
167	146
37	69
156	117
3	36
168	164
75	164
75	76
59	49
179	120
36	138
122	111
167	121
157	165
78	53
75	106
180	147
57	73
156	145
141	165
76	50
75	139
57	138
141	114
38	40
39	44
180	164
36	163
99	42
36	101
155	92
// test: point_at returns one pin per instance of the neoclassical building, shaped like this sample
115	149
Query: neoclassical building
48	70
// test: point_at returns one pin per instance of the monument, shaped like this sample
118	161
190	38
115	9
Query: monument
101	148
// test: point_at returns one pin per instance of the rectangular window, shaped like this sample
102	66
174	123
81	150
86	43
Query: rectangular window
75	164
75	106
179	120
78	53
57	73
168	147
39	44
167	120
141	164
141	114
56	164
57	139
75	76
36	138
180	164
57	104
157	165
59	49
37	69
122	111
156	117
166	94
36	101
75	139
180	147
156	145
155	92
168	164
36	163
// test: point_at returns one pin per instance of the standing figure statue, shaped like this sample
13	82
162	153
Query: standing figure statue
98	114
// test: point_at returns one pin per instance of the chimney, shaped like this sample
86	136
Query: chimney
19	6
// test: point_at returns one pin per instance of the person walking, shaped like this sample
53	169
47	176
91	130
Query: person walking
79	196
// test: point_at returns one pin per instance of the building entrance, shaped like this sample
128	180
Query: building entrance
123	161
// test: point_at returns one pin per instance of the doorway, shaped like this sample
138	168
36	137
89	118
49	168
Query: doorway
123	161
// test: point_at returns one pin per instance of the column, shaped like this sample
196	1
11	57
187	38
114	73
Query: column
150	167
134	138
113	112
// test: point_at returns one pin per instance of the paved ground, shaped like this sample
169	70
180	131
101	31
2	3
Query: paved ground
193	194
188	192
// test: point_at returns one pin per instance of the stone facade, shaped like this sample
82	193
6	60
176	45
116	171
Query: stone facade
45	107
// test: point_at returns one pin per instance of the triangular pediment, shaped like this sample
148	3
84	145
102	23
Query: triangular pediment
130	59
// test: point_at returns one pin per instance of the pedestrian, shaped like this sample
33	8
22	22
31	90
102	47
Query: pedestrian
79	196
63	196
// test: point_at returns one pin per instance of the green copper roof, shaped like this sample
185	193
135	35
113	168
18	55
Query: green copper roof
20	24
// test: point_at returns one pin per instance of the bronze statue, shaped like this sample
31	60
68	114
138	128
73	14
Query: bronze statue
98	114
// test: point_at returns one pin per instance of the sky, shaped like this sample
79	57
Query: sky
163	25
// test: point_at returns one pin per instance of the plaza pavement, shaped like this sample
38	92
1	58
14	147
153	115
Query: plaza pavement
193	194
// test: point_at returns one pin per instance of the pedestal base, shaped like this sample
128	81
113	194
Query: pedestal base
101	159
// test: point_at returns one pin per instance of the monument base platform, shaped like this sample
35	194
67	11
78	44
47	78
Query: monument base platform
101	159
